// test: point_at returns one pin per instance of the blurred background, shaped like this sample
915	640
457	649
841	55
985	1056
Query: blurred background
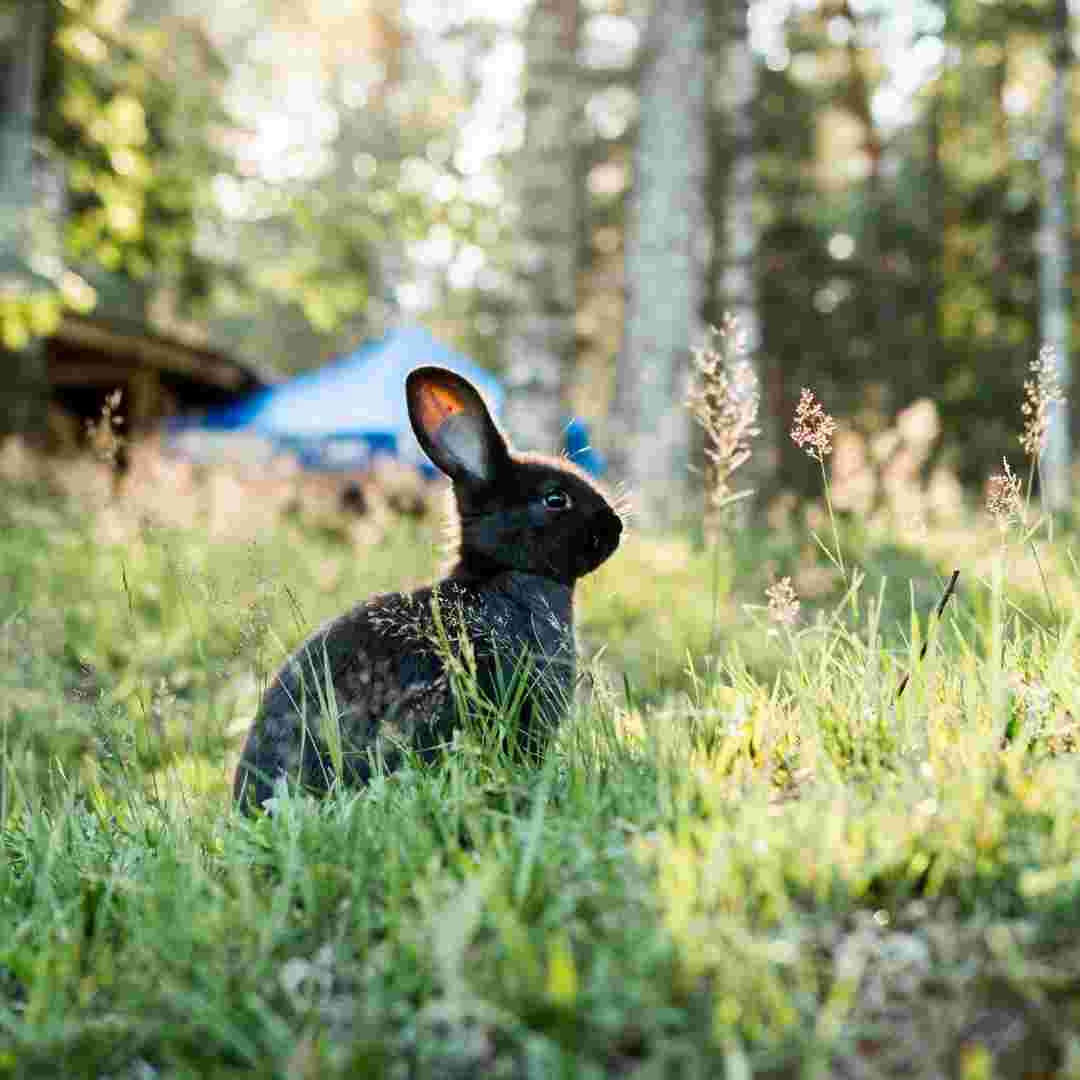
202	199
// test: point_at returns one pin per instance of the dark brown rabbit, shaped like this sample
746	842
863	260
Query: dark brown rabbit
530	526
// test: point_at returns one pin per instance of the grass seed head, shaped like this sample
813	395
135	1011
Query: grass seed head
1004	497
1041	392
783	602
103	435
813	428
724	399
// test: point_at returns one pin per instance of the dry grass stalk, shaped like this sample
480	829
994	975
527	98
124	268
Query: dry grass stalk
1004	498
724	399
102	434
1041	392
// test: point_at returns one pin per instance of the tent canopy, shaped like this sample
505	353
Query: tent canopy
348	411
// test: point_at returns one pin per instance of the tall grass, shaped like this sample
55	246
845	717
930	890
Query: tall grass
744	855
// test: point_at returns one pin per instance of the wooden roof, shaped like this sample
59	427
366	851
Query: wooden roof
117	342
88	353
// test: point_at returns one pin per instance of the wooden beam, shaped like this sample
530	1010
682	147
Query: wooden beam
146	350
106	375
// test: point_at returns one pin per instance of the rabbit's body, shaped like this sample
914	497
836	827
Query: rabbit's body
529	527
390	684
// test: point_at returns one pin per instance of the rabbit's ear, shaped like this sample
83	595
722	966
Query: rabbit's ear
454	426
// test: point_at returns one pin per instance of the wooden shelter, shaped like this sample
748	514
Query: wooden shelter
89	357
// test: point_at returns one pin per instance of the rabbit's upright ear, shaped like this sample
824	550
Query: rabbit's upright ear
454	426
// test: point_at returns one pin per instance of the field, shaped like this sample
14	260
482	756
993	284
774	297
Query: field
745	857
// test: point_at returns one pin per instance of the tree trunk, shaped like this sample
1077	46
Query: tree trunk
935	225
22	42
540	338
667	244
1054	264
880	309
736	289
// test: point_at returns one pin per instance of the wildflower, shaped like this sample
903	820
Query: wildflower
813	427
724	400
1004	499
783	602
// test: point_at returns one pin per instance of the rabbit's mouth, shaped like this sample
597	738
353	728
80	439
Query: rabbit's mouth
600	541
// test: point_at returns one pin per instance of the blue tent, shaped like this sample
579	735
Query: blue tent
579	449
344	414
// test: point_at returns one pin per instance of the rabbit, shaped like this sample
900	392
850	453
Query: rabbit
528	527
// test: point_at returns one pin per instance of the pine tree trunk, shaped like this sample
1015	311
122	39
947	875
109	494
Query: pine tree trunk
540	340
1054	264
665	261
880	309
736	289
22	33
935	226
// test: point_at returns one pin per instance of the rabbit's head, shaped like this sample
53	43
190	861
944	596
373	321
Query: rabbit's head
517	511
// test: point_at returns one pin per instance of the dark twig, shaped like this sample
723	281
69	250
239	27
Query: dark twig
949	589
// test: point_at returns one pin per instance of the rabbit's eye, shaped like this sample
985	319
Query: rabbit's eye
557	500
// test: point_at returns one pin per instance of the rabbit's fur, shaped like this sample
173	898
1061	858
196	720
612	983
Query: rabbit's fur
528	528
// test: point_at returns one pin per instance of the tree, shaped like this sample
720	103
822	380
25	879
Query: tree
132	112
736	288
1054	262
364	194
540	337
665	260
22	40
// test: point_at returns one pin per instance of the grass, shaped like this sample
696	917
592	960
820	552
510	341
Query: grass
744	856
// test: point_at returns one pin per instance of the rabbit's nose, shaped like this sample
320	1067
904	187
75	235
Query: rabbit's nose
606	537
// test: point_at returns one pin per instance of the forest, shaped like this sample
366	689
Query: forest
878	193
811	802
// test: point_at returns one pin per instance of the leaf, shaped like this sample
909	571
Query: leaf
562	978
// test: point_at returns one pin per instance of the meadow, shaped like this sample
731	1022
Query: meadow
746	855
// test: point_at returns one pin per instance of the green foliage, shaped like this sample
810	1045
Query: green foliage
130	112
939	296
132	115
29	314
